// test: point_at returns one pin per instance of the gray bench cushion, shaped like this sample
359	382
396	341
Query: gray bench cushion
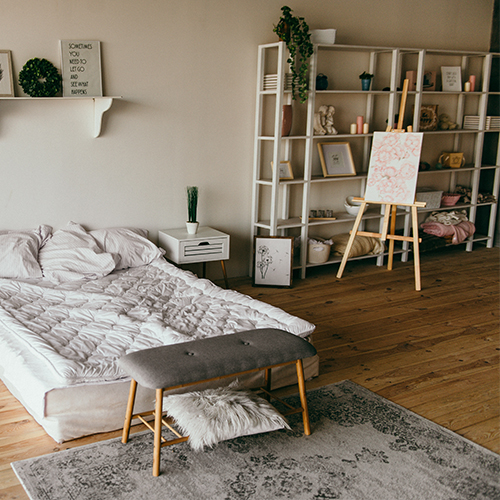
177	364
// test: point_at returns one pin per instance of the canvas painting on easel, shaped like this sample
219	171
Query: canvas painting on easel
393	168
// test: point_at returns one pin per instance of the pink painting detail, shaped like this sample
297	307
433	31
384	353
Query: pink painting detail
393	169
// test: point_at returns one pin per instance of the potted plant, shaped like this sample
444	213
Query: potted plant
366	79
192	202
294	31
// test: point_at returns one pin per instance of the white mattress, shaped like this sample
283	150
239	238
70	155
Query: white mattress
59	343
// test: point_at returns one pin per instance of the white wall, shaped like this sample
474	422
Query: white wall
186	71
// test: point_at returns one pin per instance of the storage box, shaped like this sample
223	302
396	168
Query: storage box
326	37
432	198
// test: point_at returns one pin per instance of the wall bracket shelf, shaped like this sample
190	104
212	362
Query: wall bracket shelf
99	106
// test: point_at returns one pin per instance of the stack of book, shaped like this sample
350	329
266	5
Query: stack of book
271	81
472	123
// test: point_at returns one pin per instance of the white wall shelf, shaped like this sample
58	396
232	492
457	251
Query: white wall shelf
281	207
99	106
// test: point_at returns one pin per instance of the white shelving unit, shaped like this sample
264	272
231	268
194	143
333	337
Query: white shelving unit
99	106
281	207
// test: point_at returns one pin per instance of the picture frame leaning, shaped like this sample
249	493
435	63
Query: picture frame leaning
285	172
336	159
6	78
273	261
451	78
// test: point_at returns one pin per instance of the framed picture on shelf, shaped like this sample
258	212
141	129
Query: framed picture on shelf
81	68
6	80
336	159
451	77
273	261
285	172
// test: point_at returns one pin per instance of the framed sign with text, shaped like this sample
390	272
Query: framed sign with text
81	68
451	78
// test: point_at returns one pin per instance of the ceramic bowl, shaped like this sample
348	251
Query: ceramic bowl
352	207
449	199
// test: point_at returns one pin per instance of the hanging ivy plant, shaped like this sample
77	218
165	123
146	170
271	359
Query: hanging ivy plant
294	31
40	78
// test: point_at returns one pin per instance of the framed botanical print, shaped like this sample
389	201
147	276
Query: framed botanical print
273	261
6	79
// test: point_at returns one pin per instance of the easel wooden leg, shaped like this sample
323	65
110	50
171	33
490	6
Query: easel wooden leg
385	225
391	241
157	436
347	251
303	398
130	411
416	250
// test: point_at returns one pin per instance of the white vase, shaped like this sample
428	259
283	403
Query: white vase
192	227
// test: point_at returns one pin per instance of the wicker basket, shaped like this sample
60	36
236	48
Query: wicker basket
318	253
450	199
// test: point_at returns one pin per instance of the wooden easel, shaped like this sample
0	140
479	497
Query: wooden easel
390	213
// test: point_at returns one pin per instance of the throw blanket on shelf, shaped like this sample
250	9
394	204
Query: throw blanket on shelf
453	226
458	232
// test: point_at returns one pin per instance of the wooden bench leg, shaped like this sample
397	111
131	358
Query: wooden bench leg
303	398
130	411
268	381
157	437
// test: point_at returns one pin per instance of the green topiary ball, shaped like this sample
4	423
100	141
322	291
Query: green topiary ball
40	78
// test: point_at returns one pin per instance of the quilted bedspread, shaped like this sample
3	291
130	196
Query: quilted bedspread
79	329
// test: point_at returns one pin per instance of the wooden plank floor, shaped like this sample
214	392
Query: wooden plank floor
435	352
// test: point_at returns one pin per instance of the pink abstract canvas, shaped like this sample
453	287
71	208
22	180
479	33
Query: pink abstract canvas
393	168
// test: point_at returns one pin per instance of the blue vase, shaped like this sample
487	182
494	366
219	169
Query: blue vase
365	83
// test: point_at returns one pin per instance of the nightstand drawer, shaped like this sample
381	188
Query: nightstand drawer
206	245
203	251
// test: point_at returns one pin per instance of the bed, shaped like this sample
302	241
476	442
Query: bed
72	302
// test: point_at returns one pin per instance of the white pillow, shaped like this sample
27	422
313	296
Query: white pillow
129	246
215	415
19	252
73	254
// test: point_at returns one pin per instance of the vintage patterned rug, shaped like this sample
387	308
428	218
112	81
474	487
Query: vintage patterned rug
362	447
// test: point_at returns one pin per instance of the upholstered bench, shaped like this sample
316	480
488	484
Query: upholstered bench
181	365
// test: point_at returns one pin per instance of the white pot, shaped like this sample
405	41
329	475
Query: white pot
192	227
352	207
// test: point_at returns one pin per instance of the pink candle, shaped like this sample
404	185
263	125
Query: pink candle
472	80
359	123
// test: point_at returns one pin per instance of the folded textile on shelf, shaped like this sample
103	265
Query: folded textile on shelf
458	232
448	218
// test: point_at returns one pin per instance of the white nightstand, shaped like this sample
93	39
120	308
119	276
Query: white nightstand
205	246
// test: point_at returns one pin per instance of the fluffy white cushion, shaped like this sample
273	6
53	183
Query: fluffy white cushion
129	246
215	415
19	252
73	254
